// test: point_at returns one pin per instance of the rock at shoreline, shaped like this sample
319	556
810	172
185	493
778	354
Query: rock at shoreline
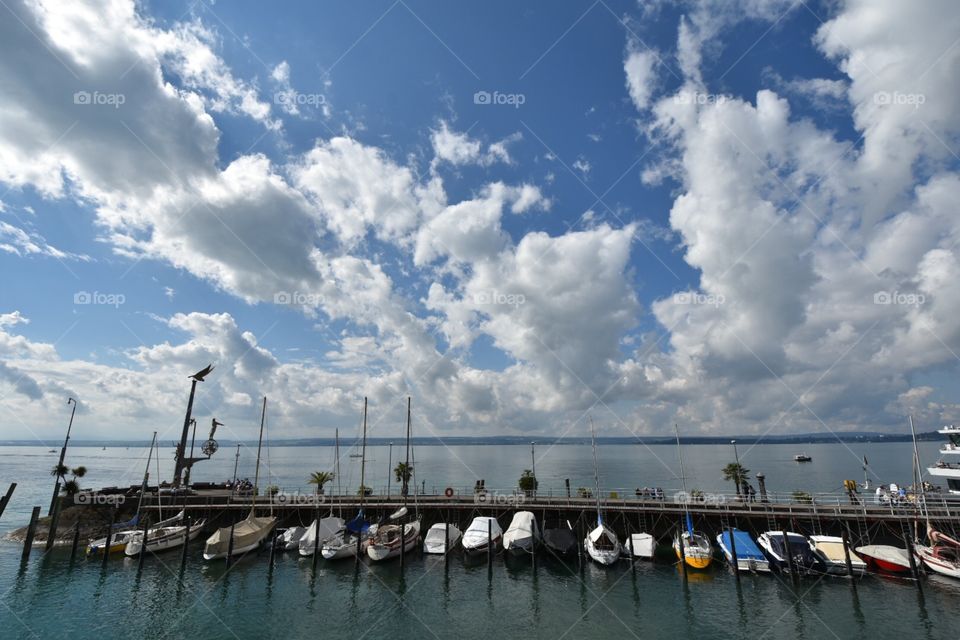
94	523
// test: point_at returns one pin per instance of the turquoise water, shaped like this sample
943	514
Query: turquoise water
50	598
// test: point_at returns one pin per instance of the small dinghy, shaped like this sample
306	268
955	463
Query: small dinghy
522	535
749	556
883	557
797	553
830	549
559	537
438	540
290	538
482	530
639	545
318	533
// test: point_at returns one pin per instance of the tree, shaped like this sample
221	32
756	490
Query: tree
403	473
320	478
79	472
528	482
736	473
60	471
70	487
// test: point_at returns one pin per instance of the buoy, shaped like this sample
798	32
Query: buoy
448	492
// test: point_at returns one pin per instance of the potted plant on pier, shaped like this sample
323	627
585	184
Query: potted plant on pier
528	482
320	478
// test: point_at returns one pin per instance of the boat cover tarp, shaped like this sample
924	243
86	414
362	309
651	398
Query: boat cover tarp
747	549
245	533
358	524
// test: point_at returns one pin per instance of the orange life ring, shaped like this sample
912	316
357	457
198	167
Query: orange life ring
448	492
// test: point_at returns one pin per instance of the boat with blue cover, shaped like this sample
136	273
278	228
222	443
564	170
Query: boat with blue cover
749	556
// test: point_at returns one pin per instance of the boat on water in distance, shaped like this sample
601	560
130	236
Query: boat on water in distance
749	556
802	457
831	552
437	539
523	535
477	535
947	467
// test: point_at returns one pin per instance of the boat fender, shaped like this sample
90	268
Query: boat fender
448	492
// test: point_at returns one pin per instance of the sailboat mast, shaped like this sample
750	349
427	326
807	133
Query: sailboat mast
146	474
596	468
683	479
256	473
363	455
406	482
917	474
336	466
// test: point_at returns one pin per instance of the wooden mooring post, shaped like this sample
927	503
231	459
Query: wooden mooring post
733	554
446	544
76	541
403	546
186	545
54	525
786	552
5	500
683	552
106	545
31	530
846	551
143	547
230	544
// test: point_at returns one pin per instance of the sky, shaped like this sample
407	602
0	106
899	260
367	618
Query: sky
739	218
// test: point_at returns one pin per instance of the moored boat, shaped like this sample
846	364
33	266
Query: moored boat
639	545
318	533
249	533
164	536
602	545
697	551
523	535
884	557
942	555
559	537
483	531
290	538
749	556
438	540
387	542
795	553
831	553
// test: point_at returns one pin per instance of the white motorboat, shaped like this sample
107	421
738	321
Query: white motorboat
318	533
831	553
482	530
249	533
523	535
639	545
438	540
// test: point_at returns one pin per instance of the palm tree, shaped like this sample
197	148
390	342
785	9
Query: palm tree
320	478
71	487
79	472
60	471
736	473
403	473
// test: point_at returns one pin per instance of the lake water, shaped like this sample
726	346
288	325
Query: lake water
49	598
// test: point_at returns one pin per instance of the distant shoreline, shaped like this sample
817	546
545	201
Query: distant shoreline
846	437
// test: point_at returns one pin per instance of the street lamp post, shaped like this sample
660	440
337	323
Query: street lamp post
63	453
737	458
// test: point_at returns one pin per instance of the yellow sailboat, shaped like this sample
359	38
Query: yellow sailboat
691	547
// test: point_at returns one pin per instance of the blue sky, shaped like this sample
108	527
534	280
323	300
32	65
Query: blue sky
780	212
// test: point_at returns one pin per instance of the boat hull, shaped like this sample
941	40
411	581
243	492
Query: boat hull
938	565
885	559
378	550
165	541
696	554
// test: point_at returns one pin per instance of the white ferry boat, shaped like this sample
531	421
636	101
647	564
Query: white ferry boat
948	467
